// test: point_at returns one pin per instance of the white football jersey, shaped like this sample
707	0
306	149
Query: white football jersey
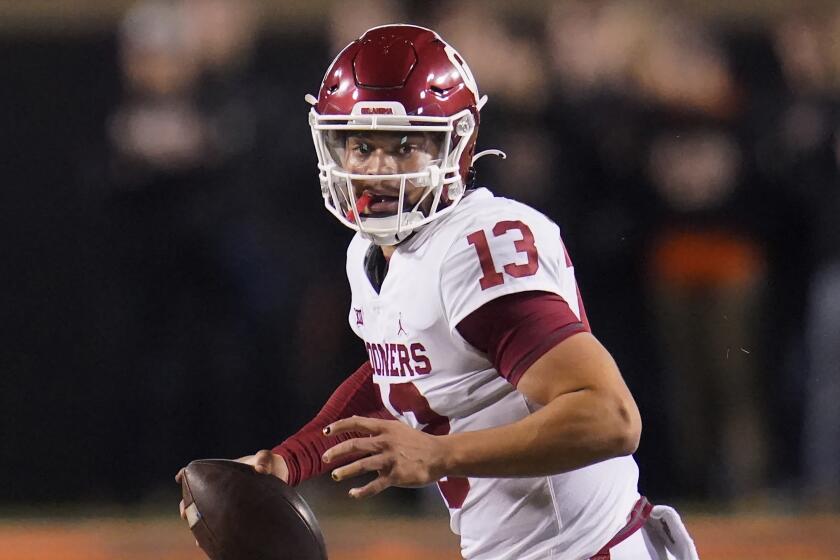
433	380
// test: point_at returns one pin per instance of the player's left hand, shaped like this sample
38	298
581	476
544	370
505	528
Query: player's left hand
400	454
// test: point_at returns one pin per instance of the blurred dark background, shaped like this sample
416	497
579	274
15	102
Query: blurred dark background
171	287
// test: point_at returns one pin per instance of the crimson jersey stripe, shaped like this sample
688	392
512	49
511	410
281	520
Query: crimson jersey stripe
515	330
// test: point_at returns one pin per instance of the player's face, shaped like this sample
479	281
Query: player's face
386	153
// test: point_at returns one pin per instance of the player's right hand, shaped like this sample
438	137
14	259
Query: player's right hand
266	462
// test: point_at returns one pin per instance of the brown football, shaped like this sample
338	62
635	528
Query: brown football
236	513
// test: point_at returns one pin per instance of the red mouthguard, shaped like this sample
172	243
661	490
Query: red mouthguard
361	204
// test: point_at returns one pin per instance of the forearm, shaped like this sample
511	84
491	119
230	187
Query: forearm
302	451
572	431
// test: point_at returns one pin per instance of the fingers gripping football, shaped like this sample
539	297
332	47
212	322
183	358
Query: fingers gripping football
401	455
181	506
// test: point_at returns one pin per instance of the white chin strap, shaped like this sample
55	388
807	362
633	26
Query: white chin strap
382	231
497	153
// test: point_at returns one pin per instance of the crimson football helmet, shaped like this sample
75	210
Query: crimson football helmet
398	78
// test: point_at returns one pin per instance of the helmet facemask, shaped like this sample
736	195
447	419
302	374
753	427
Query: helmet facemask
385	174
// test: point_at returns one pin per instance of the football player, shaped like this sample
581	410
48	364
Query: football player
483	375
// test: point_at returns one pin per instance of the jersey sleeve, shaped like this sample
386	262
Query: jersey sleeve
506	251
516	330
357	395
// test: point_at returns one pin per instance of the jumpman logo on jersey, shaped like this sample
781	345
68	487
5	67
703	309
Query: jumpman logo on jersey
400	329
360	320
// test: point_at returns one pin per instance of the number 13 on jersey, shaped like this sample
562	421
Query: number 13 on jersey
490	275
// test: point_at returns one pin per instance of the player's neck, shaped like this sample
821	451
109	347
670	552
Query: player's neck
387	251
